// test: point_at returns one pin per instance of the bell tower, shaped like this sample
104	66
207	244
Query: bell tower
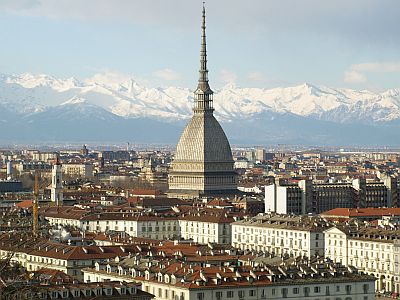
56	183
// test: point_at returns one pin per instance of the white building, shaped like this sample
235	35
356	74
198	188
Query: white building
206	225
374	251
280	234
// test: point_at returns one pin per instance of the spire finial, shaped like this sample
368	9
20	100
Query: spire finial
203	94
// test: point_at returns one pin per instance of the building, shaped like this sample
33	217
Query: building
203	163
37	253
374	251
287	199
56	184
302	279
201	225
44	156
78	170
84	151
260	154
281	234
11	186
206	225
134	224
32	166
77	291
305	196
362	214
120	155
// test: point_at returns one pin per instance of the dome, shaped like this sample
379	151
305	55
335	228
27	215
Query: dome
203	140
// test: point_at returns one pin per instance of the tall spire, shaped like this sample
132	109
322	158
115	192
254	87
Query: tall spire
203	93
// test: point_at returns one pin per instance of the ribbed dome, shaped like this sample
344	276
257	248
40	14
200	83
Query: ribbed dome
203	140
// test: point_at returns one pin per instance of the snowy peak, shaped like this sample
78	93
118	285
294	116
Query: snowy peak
124	96
75	100
28	80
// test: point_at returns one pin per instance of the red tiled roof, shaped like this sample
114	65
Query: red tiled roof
362	212
25	204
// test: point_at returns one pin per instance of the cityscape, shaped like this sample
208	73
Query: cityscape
113	190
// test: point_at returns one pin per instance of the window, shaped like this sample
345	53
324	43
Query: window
306	291
365	288
317	289
327	291
284	292
218	295
295	291
200	296
273	291
252	293
229	294
348	289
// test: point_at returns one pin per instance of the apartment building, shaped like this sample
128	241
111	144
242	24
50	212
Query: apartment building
206	225
371	250
305	196
281	234
78	170
199	224
37	253
176	280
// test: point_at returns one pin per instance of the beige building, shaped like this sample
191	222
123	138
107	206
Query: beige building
78	170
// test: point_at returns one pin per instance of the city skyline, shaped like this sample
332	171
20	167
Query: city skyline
334	43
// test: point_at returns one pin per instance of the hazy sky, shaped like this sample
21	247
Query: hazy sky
263	43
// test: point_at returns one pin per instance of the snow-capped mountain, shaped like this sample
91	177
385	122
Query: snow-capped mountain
109	98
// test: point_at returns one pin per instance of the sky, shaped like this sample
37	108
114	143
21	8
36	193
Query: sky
253	43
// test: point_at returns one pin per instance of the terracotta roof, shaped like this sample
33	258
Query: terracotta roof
367	212
24	204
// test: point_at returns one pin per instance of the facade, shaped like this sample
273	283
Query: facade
115	155
134	224
374	251
11	186
44	156
206	225
280	234
94	291
203	163
284	199
34	254
260	154
78	170
32	166
310	197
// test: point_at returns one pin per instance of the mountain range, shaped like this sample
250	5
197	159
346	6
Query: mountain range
44	108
